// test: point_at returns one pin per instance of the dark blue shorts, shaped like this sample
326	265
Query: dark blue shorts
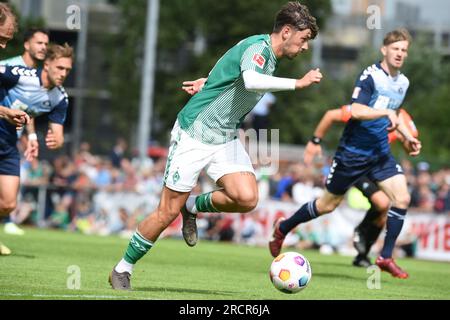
10	164
367	187
347	169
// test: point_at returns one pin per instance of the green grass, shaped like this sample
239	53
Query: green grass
37	269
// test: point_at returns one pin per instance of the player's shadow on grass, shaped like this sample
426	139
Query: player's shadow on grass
336	275
334	264
26	256
185	290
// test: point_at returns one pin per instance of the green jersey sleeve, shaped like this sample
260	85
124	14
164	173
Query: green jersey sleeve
255	58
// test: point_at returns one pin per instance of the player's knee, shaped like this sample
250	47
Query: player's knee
246	201
402	200
382	205
6	207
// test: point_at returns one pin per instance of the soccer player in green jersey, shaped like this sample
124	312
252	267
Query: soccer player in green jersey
206	130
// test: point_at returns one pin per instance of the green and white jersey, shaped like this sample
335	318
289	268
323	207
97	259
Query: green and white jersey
214	115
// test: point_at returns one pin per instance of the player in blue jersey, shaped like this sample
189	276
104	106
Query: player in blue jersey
8	26
35	48
367	232
34	92
364	150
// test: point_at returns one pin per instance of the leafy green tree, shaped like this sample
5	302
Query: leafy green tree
183	22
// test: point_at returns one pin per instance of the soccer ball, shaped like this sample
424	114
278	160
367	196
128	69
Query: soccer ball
290	272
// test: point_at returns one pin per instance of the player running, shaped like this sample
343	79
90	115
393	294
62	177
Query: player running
8	26
30	92
367	232
35	44
205	134
364	150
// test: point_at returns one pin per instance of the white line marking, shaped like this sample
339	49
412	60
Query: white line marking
87	296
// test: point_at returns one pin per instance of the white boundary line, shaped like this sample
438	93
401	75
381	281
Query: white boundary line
87	296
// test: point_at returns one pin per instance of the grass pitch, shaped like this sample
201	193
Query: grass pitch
45	264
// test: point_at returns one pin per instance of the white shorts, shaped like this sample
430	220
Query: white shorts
188	157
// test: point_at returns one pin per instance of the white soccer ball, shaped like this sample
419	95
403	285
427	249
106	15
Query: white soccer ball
290	272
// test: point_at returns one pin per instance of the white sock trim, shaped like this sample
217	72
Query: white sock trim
190	204
124	266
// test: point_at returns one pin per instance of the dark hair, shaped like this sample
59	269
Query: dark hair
56	51
5	12
397	35
297	15
31	32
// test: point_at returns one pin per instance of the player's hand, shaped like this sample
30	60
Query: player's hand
193	87
50	140
413	147
17	118
32	151
311	150
393	117
313	76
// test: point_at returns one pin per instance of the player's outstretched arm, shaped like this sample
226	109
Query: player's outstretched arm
313	147
55	136
262	83
313	76
194	86
363	112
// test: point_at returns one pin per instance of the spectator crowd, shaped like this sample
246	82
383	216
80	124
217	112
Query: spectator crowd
112	194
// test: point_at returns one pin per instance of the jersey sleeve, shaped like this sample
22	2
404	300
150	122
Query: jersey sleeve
364	90
8	78
255	58
59	113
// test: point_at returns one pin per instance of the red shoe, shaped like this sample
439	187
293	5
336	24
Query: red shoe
390	266
277	239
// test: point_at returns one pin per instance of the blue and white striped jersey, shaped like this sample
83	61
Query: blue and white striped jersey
375	88
21	88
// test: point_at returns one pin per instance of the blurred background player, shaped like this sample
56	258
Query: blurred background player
35	48
205	134
31	92
17	118
364	150
367	232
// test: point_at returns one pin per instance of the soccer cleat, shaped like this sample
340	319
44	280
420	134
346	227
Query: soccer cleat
120	281
361	261
276	243
4	250
390	266
12	228
189	228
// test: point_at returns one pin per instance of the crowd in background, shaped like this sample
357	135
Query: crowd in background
112	194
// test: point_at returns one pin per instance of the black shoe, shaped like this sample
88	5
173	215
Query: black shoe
120	281
189	228
362	261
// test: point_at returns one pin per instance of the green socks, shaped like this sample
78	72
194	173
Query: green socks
137	248
204	203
